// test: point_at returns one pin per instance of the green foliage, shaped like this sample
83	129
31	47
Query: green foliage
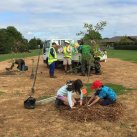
33	43
11	40
92	35
13	32
125	39
92	32
128	55
5	42
100	25
17	41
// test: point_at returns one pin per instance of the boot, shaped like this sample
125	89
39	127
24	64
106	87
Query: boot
52	76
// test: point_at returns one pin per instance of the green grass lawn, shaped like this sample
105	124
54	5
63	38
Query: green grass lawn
119	89
19	55
128	55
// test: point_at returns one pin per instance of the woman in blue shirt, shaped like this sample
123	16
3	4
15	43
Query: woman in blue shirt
104	95
65	93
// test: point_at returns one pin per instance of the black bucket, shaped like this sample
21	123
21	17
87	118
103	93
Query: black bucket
30	103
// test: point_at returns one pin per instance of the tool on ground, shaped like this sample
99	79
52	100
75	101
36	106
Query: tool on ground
46	100
32	72
31	102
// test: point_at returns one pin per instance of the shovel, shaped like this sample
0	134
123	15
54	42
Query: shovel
32	72
29	103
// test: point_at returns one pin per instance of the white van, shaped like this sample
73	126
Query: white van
60	55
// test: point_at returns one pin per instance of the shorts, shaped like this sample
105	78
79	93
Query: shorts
61	97
67	61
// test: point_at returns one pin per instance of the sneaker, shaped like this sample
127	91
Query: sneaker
58	103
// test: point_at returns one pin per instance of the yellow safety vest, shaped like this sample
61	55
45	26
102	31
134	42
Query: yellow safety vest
52	59
66	53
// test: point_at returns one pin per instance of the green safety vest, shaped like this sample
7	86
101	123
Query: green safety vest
66	53
52	59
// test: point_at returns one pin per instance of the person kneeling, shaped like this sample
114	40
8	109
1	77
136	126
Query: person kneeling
65	93
103	95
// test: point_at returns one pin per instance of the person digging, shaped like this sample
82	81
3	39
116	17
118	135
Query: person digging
103	95
20	65
65	94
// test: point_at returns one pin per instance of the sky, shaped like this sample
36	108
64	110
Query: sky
50	19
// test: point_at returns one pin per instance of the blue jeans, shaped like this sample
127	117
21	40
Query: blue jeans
106	102
51	69
21	67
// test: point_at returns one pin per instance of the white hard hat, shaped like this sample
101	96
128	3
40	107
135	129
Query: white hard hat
66	41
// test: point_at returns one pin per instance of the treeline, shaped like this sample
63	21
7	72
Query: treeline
11	40
126	45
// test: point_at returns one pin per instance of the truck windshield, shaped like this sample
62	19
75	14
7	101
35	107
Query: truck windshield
47	44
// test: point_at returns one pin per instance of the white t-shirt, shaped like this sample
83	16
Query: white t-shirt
64	92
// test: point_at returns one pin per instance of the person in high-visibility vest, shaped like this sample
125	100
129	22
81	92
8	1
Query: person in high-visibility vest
67	56
52	58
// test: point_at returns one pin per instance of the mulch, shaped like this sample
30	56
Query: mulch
113	112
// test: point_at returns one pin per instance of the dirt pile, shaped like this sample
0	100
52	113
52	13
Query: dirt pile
94	113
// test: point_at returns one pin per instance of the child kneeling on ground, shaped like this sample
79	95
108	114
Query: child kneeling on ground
65	93
103	95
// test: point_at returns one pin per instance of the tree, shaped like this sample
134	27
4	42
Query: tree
13	32
5	45
126	39
16	39
11	40
92	32
33	43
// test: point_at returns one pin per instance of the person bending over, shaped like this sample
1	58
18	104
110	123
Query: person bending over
103	94
65	93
